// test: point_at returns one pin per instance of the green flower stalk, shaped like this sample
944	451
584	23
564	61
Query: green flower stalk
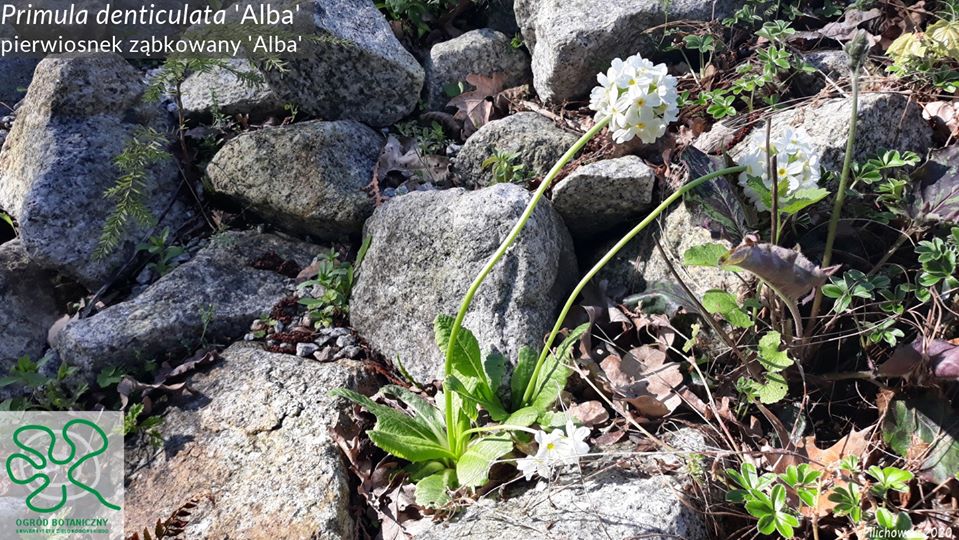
570	302
497	256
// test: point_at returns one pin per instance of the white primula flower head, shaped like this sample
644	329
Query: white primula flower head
554	450
638	97
797	164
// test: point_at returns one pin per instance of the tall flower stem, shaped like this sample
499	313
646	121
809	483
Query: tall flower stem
530	387
452	436
840	198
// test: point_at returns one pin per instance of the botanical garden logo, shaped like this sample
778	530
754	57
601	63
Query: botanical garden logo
64	473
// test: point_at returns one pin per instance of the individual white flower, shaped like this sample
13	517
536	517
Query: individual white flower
797	164
638	97
554	450
574	441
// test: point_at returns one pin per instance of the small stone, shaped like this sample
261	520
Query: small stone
833	64
345	341
340	331
352	352
325	355
306	350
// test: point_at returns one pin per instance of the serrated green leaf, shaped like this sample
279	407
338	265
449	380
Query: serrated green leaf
770	356
492	406
721	302
466	360
422	410
399	434
434	490
704	255
472	468
801	199
495	369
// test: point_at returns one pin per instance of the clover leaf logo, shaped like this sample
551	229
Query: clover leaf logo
28	436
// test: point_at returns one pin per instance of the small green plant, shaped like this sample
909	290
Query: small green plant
59	393
149	426
430	139
161	252
417	15
5	218
894	525
327	296
504	167
889	479
848	501
765	499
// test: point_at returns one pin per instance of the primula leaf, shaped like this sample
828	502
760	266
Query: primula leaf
433	491
405	437
721	302
523	417
913	424
704	255
553	374
492	406
472	468
717	207
521	374
802	198
495	369
466	360
422	410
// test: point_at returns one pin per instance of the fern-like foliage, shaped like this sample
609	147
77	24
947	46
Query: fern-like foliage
128	194
175	70
172	526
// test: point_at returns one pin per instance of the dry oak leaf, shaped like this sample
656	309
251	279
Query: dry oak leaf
474	107
645	380
854	444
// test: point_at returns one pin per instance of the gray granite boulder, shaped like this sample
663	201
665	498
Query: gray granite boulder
886	122
601	195
535	138
573	40
355	69
57	161
222	90
214	297
611	503
306	177
29	306
833	64
426	249
479	52
253	433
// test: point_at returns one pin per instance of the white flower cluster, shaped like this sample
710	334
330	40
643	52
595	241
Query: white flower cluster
638	97
555	450
797	164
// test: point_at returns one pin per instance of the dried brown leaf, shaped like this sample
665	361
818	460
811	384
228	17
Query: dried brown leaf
786	269
475	107
645	380
589	413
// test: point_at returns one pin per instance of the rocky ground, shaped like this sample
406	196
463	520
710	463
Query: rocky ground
354	150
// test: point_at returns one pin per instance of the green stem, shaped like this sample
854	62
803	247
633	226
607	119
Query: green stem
605	260
452	435
840	198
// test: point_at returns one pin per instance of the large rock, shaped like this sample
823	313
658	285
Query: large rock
574	40
214	296
221	90
482	52
535	138
306	177
57	161
356	69
886	122
428	246
29	306
254	433
609	504
601	195
640	267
